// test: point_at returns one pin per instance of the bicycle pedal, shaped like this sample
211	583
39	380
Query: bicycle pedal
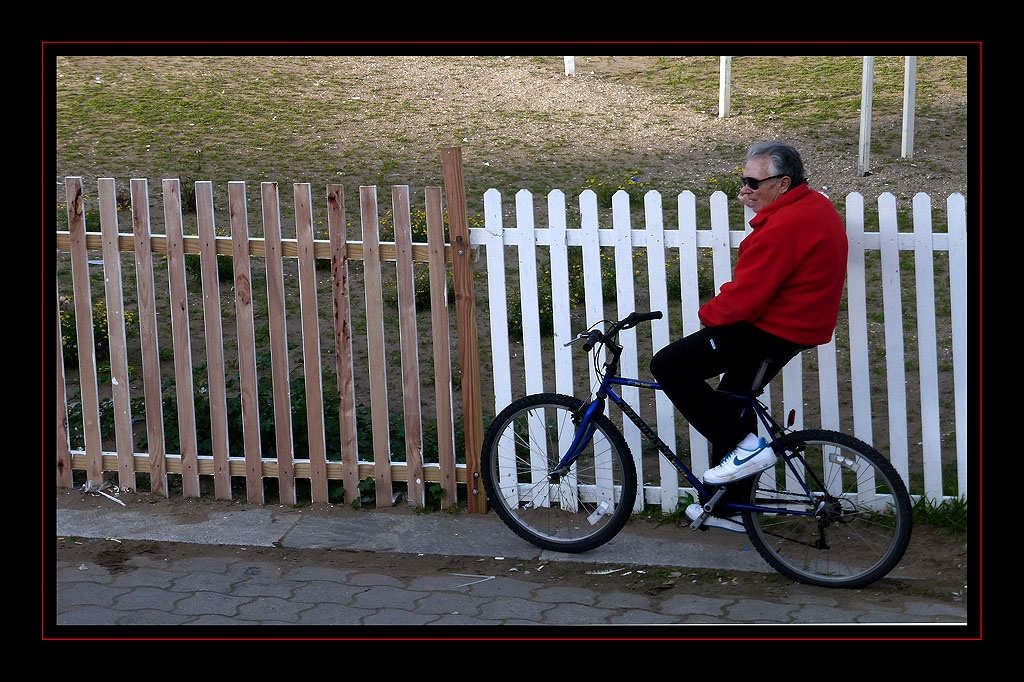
697	523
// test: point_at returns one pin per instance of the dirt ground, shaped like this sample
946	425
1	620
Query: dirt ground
520	121
937	564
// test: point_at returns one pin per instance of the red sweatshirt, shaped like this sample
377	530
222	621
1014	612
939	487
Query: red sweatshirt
789	277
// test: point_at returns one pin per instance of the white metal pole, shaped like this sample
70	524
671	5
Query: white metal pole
724	86
867	83
909	102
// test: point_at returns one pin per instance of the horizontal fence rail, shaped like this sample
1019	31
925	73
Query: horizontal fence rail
297	359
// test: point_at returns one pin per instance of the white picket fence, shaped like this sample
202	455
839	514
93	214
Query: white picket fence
854	391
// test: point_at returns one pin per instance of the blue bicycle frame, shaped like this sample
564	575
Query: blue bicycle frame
585	431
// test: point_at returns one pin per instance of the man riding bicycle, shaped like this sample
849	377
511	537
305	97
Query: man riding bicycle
784	297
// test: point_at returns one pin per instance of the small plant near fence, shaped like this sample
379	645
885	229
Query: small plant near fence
421	271
225	267
69	329
606	188
434	494
950	514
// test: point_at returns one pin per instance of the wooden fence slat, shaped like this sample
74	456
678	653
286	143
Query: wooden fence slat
118	343
311	344
561	295
529	311
956	211
894	354
657	268
721	239
529	289
281	366
152	381
343	341
441	340
593	283
856	302
927	346
828	383
626	303
246	334
379	409
82	297
493	240
689	271
792	398
63	437
409	344
215	377
182	343
558	260
828	386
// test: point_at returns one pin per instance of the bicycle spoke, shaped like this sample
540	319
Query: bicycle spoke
856	519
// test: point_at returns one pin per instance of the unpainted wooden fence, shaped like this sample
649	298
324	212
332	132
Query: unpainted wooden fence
907	288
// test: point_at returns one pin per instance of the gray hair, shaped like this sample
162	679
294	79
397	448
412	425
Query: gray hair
784	159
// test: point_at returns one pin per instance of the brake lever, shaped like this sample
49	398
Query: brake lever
572	342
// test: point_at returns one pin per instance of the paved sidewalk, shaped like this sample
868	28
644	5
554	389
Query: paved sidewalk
225	587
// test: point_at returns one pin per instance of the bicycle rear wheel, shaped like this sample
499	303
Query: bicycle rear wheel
574	511
860	514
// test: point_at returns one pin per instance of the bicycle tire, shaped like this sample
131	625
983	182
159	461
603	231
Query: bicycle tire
581	510
863	521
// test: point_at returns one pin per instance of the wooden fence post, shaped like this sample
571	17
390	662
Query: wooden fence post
84	328
465	317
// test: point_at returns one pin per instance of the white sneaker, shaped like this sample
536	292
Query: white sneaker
741	463
733	523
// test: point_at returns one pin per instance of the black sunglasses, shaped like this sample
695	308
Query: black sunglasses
753	183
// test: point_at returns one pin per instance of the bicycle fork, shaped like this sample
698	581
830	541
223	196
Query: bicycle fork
581	437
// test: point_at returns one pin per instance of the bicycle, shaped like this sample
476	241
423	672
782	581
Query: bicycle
558	472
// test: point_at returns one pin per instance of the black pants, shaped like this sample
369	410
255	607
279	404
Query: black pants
735	351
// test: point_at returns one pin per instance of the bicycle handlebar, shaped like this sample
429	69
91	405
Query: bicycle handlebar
628	322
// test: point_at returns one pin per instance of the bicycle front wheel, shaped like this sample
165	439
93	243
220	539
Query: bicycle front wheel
856	515
574	510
